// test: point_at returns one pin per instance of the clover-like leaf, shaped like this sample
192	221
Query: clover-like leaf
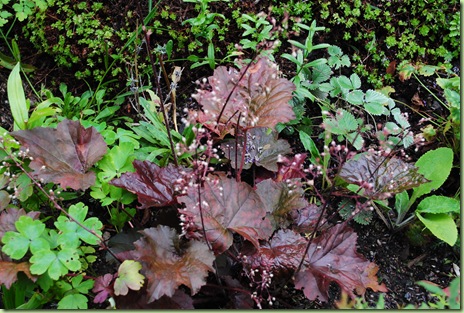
380	177
261	148
224	206
9	217
167	266
332	257
259	98
9	271
63	155
73	301
154	186
16	244
128	277
72	232
55	263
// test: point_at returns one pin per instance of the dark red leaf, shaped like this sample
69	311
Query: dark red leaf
379	177
282	253
260	96
332	257
9	271
63	155
227	206
154	186
166	266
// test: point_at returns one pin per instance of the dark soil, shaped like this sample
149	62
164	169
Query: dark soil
400	263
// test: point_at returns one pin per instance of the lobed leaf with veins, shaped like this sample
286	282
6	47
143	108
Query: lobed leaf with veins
63	155
227	206
380	177
260	98
166	266
332	257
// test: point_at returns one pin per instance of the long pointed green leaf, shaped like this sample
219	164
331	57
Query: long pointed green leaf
17	99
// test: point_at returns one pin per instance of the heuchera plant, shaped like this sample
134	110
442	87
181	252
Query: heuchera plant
257	225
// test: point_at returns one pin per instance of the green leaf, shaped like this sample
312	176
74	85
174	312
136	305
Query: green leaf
16	245
128	278
438	204
343	123
29	231
73	302
436	166
355	97
73	232
18	104
56	264
310	146
441	225
345	82
355	81
401	202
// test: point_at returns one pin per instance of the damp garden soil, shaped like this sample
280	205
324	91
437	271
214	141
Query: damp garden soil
400	263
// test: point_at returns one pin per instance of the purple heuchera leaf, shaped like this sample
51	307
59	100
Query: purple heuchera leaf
282	253
260	96
226	206
380	177
63	155
332	257
154	186
166	267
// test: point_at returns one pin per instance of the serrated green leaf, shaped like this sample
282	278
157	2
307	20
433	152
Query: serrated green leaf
375	108
438	204
376	97
345	82
128	277
355	97
441	226
355	81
